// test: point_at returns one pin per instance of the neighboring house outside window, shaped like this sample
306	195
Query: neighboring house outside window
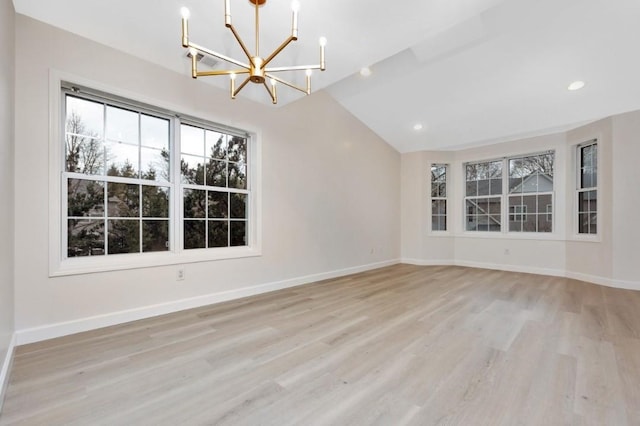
531	193
587	192
439	197
120	192
483	196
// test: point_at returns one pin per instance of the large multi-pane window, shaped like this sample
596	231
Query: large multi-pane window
439	197
120	190
213	170
531	193
483	196
526	193
587	192
117	179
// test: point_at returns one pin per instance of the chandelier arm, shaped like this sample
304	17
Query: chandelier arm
221	72
278	50
286	83
294	68
239	40
272	92
244	83
218	55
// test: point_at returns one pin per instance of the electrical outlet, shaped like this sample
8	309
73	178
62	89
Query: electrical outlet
180	274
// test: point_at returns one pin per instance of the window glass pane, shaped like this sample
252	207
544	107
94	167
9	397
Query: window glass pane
124	236
515	222
238	205
192	170
155	235
154	132
238	149
529	223
192	140
238	230
435	190
84	117
544	223
472	188
84	155
155	201
216	145
85	237
439	207
194	203
583	223
154	164
123	200
494	223
442	189
122	125
237	176
218	233
85	198
217	173
544	204
495	186
122	160
218	204
587	201
471	207
483	187
194	234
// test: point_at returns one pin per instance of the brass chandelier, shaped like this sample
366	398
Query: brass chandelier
256	68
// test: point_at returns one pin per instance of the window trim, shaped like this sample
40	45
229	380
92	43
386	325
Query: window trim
447	184
576	235
61	266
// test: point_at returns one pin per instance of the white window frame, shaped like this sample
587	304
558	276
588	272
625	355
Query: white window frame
445	199
505	212
60	265
578	182
476	197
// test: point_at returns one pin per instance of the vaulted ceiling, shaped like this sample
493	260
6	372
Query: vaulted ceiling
471	72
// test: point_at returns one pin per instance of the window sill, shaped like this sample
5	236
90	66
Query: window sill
511	236
586	238
440	234
96	264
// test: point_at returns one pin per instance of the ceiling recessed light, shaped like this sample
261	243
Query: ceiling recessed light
576	85
417	127
365	71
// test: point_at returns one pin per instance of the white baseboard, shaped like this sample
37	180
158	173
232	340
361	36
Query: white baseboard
36	334
594	279
513	268
5	369
422	262
608	282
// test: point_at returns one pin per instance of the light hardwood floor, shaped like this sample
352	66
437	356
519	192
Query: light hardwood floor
399	345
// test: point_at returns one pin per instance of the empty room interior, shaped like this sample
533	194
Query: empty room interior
254	212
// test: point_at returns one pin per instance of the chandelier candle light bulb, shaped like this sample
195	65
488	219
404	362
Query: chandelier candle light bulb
256	67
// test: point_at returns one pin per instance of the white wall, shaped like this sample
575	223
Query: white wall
610	259
626	197
330	188
7	66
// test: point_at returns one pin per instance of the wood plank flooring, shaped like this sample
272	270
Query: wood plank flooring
403	345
